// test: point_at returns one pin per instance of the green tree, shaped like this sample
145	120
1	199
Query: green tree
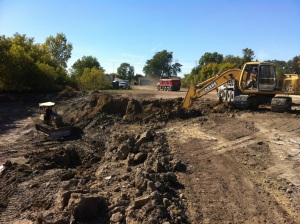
225	66
26	66
85	62
210	57
125	71
161	65
176	68
208	71
294	65
93	79
233	59
45	79
5	45
196	69
17	69
205	73
59	48
248	55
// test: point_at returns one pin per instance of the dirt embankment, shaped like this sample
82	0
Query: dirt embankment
134	160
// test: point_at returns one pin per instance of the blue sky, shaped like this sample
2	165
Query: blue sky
132	31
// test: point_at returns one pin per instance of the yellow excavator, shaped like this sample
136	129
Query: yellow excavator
246	90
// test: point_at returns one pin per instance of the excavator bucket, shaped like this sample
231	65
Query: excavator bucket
188	100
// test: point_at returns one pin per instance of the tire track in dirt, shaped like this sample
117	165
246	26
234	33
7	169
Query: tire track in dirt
229	181
12	211
285	145
13	133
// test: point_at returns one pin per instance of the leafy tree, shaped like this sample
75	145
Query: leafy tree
93	79
196	69
59	48
248	55
85	62
208	71
294	65
5	45
205	73
176	68
17	68
45	80
125	71
26	66
191	79
210	57
233	59
161	65
225	66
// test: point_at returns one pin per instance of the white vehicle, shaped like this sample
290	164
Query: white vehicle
226	92
124	85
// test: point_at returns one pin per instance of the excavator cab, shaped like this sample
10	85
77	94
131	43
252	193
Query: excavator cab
265	79
247	78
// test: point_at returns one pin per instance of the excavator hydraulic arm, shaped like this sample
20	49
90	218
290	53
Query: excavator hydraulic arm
195	92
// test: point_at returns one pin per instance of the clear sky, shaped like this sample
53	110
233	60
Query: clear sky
132	31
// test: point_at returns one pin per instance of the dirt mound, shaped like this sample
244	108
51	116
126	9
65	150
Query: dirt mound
130	110
121	170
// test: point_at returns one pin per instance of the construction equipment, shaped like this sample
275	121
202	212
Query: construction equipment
50	122
171	84
235	85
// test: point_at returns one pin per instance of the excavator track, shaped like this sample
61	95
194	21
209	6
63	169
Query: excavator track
281	104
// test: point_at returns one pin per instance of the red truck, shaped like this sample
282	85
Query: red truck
172	84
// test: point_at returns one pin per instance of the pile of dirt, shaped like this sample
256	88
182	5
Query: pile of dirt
120	169
81	113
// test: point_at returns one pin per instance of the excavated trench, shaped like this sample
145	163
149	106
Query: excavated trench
116	169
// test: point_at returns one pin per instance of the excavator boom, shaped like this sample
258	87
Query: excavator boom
209	85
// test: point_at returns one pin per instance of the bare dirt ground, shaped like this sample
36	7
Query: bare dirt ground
136	156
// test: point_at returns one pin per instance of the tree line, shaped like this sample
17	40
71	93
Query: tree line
26	66
36	67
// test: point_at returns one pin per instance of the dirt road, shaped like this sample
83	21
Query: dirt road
230	166
242	168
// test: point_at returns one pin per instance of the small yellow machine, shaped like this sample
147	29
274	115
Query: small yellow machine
250	87
50	122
